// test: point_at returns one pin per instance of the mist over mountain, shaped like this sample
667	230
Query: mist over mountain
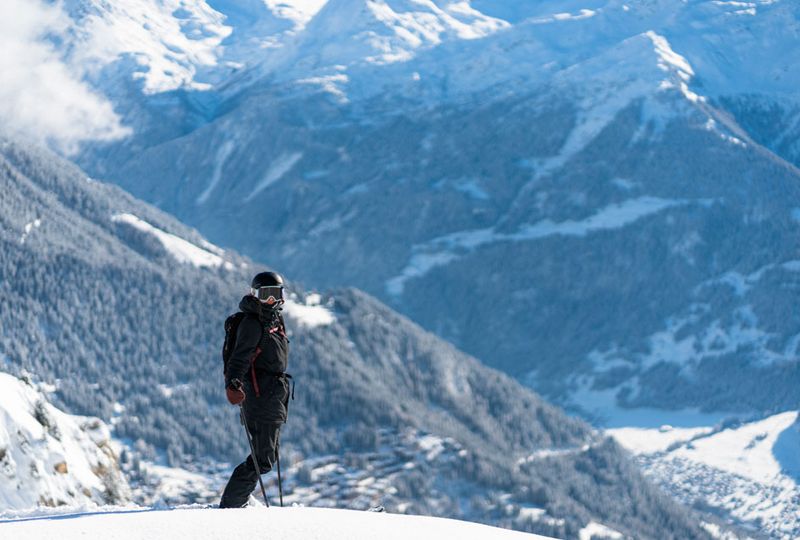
119	307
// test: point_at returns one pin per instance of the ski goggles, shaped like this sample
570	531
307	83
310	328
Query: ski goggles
265	293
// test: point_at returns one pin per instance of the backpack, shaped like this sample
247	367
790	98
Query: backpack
231	328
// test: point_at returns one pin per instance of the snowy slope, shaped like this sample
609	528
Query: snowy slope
50	458
751	471
278	523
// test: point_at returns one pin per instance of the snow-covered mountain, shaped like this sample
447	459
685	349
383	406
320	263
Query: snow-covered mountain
386	413
49	458
738	47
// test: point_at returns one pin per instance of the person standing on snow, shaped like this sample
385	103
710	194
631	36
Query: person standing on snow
256	355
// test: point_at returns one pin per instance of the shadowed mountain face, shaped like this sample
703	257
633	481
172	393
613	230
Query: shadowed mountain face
598	199
121	308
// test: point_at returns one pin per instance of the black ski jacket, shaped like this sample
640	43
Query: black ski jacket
266	389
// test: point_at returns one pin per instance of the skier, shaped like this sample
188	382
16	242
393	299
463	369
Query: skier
256	355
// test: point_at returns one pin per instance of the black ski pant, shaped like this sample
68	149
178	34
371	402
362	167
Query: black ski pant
244	478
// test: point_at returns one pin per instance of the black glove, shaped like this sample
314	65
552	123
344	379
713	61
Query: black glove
234	392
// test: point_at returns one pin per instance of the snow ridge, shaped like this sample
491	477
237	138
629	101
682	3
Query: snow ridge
182	250
282	165
222	156
443	250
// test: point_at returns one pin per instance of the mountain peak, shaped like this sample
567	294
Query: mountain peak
345	32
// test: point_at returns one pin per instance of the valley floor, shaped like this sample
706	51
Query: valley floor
749	471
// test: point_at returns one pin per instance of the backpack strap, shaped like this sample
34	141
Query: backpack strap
253	371
231	327
253	359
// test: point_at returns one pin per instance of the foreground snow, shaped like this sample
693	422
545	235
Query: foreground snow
297	523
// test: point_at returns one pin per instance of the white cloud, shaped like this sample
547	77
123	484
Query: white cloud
41	98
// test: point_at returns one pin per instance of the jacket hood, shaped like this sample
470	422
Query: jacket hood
250	304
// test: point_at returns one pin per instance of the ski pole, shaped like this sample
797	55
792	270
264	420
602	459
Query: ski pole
278	459
253	453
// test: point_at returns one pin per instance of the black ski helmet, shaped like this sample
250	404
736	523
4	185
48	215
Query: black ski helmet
267	279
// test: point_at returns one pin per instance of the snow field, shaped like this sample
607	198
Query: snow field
297	523
650	441
595	530
751	451
310	312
